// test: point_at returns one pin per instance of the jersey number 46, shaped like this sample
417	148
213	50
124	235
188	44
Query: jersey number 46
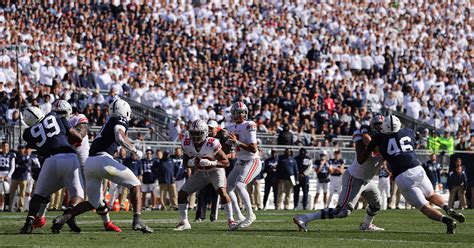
405	146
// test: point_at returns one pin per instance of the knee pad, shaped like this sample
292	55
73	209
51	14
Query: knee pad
41	199
373	210
103	209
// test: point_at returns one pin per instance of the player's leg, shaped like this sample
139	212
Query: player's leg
408	184
372	194
438	200
201	205
231	185
351	190
251	169
194	183
218	181
120	174
325	194
47	183
266	193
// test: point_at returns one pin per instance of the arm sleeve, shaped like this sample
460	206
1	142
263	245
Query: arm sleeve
118	137
252	132
12	167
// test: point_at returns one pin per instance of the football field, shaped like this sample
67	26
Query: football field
404	228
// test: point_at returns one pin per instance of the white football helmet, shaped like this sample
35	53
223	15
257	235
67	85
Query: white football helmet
391	124
62	108
198	131
32	115
239	112
120	108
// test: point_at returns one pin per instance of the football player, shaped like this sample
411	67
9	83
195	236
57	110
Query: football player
356	181
100	164
243	136
7	166
50	136
206	155
397	145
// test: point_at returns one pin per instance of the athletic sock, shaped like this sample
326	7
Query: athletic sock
368	219
245	197
42	210
445	219
446	208
228	211
313	216
235	205
105	218
183	212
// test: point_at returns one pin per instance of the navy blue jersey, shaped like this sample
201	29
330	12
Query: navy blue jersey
336	163
23	166
179	169
6	161
50	136
134	165
147	170
397	149
105	140
323	174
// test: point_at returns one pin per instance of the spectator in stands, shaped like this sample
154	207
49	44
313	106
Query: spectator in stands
457	185
287	171
271	178
305	167
166	178
285	137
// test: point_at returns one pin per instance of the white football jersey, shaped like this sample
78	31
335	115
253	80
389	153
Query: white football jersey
83	149
369	168
246	133
208	150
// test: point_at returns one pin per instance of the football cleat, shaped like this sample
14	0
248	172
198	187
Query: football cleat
39	222
139	226
73	225
233	225
183	226
370	228
451	226
240	218
298	220
248	221
59	222
28	227
111	227
457	216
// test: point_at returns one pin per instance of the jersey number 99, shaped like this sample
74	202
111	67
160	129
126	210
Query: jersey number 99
45	129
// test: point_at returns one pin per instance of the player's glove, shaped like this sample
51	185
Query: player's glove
139	154
192	162
206	163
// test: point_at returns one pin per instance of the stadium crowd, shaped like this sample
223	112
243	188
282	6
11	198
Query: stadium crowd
301	67
319	68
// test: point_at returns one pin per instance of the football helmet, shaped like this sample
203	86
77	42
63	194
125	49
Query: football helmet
62	108
376	123
239	112
120	108
198	131
391	124
32	115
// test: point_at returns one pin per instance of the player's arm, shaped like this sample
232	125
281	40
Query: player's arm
83	129
221	159
122	138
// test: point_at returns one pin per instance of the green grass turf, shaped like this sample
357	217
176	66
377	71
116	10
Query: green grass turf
404	228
